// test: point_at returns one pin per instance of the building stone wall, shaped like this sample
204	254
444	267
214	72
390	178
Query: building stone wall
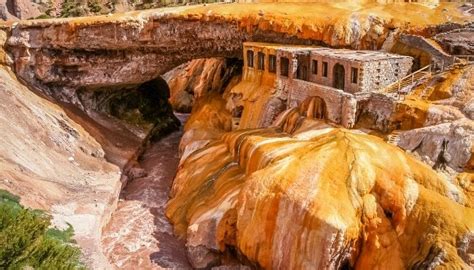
341	107
256	48
375	75
293	62
329	79
265	94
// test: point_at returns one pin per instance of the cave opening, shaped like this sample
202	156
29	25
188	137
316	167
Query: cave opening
143	107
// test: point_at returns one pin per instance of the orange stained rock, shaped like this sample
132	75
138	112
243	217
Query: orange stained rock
194	80
320	197
411	113
440	86
332	23
253	92
209	118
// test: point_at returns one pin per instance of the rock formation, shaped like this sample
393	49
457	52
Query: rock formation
319	196
19	9
458	41
52	163
126	49
302	192
443	145
197	78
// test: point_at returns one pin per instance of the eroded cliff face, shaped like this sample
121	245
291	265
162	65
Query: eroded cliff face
72	160
52	163
135	47
299	194
190	81
317	196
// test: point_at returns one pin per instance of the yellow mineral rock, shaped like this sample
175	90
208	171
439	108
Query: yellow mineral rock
319	197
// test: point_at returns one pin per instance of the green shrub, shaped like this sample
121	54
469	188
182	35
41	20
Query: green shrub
27	241
72	8
94	6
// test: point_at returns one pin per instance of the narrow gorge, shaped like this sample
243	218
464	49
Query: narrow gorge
315	135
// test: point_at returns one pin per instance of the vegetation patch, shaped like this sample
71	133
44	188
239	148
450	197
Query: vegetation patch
28	241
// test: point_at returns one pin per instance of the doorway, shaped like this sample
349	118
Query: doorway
339	75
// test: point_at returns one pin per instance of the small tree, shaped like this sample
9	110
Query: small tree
27	241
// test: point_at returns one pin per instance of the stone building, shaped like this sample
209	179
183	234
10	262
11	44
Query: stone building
290	74
347	70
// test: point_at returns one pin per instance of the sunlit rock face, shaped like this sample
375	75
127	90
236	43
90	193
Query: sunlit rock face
53	164
18	9
444	145
134	47
197	78
208	120
311	195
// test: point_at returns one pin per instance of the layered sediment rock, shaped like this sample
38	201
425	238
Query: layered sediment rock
135	47
94	144
318	196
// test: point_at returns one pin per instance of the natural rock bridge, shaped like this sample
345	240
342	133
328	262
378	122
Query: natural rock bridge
134	47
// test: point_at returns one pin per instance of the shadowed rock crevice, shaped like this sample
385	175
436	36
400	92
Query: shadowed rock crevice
143	107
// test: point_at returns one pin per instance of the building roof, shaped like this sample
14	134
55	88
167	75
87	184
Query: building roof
344	54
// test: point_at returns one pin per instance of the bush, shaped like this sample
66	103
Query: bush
27	241
94	6
72	8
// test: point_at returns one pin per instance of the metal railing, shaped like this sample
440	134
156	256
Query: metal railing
422	73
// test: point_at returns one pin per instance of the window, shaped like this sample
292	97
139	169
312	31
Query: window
314	67
272	63
302	72
284	66
354	75
325	69
261	61
250	58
